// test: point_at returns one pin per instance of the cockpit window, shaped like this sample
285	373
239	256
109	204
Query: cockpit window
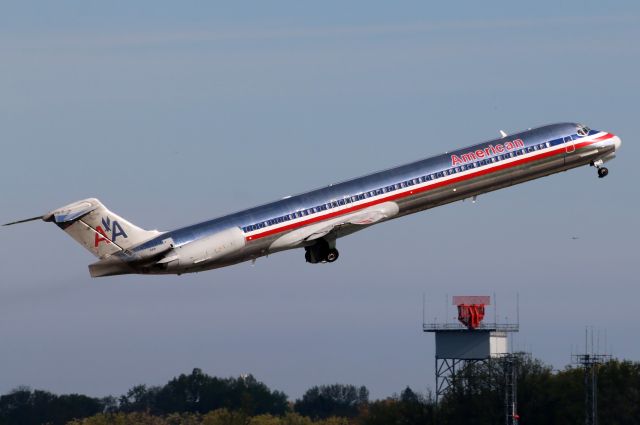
583	130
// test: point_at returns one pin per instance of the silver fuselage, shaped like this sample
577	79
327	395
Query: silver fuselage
413	187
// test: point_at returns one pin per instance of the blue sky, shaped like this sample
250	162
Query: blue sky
175	113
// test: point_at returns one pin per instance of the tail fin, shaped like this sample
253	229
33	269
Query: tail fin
99	230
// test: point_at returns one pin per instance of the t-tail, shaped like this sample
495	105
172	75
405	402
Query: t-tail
93	226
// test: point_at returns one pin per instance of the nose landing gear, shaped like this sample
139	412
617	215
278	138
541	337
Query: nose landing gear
602	171
321	252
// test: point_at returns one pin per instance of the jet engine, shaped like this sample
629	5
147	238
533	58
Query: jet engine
198	253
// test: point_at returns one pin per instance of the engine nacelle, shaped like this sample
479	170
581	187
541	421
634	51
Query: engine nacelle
210	248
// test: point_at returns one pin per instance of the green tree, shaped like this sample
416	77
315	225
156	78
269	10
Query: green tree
265	420
334	420
324	401
409	408
619	393
224	417
201	393
183	419
133	418
24	406
140	398
292	418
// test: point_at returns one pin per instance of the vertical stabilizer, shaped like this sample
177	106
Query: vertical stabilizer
99	230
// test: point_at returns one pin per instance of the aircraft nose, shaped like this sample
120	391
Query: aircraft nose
617	142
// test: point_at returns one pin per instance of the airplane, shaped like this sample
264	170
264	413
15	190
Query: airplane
315	220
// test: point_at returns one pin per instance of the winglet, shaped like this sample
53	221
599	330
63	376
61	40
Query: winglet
503	134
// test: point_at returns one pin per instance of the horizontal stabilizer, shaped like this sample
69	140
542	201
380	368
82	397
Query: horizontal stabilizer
73	211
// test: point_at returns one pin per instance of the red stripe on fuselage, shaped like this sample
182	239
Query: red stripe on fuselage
412	192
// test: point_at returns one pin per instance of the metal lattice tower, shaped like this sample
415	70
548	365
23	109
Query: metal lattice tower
448	373
590	363
510	365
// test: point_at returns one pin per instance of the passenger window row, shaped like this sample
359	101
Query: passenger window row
391	188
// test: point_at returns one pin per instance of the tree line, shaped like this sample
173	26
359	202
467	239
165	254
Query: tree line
545	397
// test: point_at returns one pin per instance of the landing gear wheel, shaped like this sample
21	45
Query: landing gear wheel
332	255
312	255
602	172
320	252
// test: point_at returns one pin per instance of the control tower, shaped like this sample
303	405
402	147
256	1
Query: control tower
471	340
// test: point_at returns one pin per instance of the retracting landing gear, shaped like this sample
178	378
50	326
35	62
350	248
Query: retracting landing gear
321	252
602	171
